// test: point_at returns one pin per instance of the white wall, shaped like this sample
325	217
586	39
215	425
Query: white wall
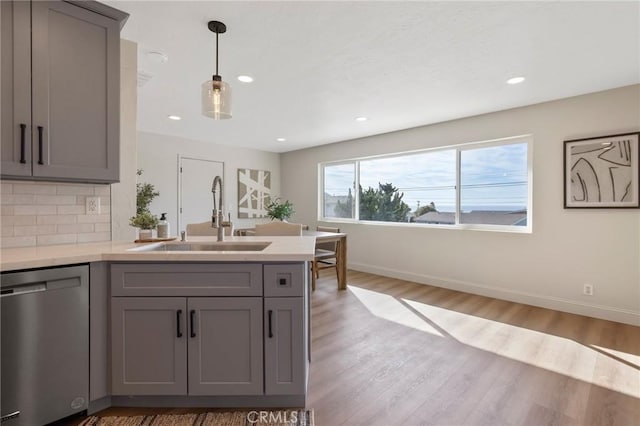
123	194
158	157
546	268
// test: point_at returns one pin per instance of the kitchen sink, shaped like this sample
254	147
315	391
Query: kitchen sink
210	246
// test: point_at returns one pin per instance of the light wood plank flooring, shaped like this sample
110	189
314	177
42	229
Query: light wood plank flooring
389	352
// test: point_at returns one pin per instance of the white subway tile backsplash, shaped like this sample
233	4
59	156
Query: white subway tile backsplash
35	230
63	189
46	229
19	220
76	228
48	240
103	227
30	210
46	213
20	231
25	188
70	209
55	199
57	219
11	242
102	190
17	199
96	236
94	218
6	188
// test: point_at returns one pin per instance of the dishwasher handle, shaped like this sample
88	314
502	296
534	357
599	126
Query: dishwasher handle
9	416
20	289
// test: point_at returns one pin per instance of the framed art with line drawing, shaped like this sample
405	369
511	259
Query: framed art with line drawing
602	172
254	193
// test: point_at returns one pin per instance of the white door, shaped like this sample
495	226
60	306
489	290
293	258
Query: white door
196	181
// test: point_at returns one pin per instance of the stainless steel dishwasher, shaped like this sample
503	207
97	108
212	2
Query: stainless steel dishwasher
45	344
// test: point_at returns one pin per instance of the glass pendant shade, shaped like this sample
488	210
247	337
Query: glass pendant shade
216	99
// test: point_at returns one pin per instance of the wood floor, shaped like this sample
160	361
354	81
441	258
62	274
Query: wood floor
389	352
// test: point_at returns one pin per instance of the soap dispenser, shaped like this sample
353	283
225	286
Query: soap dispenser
163	227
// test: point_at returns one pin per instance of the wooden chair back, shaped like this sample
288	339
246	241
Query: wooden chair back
278	228
331	246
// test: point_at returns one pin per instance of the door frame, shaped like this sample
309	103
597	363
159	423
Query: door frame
182	157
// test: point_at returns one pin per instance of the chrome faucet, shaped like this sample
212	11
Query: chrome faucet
217	216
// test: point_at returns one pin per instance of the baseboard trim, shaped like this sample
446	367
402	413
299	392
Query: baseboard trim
99	405
262	401
549	302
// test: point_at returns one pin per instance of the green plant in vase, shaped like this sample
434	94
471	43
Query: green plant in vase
145	193
276	209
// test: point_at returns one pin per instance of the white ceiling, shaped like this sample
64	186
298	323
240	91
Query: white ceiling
317	65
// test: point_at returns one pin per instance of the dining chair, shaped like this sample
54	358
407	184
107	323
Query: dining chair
278	228
205	229
325	257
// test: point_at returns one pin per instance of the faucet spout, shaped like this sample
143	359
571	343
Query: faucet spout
217	216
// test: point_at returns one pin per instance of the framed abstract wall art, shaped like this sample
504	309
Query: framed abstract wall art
602	172
254	193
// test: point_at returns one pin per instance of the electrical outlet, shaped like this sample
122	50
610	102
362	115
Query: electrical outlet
588	290
93	205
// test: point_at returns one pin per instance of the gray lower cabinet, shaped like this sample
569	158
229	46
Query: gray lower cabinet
210	329
149	345
187	346
60	91
225	346
286	329
99	355
284	346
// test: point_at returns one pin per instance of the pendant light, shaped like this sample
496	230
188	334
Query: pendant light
216	94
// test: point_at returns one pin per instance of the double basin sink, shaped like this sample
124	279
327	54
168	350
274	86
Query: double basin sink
208	246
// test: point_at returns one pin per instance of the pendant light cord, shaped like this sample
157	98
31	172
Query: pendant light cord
217	54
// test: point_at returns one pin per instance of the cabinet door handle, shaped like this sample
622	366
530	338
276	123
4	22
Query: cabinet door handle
23	130
270	322
40	129
179	326
192	315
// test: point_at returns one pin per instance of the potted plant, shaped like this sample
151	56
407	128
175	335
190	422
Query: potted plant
276	209
147	222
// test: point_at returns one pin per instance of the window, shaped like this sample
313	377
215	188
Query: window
480	185
493	185
337	200
393	188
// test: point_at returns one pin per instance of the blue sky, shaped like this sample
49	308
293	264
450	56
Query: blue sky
493	178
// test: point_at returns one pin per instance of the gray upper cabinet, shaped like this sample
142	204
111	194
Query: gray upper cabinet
60	115
15	115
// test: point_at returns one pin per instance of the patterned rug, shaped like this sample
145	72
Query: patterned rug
235	418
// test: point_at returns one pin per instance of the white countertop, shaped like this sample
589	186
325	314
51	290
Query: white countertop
280	249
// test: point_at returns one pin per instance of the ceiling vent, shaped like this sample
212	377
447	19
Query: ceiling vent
143	78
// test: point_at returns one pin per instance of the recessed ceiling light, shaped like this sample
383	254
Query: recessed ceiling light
174	117
245	78
361	118
281	139
515	80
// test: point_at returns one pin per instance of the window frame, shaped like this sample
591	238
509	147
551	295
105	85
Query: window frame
459	148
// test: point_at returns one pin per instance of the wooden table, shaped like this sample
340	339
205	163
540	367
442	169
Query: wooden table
323	237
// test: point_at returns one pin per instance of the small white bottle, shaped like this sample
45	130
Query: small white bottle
163	227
